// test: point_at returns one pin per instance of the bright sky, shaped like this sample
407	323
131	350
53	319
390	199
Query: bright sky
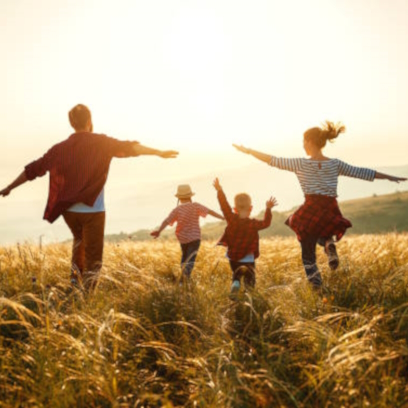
198	75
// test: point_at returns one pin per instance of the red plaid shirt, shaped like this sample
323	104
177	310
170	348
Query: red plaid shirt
319	216
241	234
78	169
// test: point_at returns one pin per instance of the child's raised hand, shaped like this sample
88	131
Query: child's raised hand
242	148
217	184
272	202
155	234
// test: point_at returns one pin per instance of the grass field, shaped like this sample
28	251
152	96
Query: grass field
143	341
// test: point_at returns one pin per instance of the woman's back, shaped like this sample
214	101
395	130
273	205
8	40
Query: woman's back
321	176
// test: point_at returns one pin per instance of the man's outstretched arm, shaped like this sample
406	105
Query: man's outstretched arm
144	150
121	149
37	168
21	179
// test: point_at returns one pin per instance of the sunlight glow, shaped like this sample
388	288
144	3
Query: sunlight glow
198	76
198	73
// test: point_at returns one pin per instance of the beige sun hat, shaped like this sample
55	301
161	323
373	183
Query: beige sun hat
184	191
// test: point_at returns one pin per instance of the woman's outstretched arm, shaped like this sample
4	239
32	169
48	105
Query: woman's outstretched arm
289	164
383	176
258	155
362	173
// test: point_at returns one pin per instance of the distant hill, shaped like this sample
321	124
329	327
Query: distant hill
372	215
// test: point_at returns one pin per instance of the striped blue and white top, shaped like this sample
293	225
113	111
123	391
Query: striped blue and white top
321	177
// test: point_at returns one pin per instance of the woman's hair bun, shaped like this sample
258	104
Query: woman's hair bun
331	131
320	135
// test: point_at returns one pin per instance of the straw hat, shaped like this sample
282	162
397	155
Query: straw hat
184	191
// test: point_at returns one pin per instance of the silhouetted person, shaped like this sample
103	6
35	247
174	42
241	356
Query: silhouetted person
319	219
78	169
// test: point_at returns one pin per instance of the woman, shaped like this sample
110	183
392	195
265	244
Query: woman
319	219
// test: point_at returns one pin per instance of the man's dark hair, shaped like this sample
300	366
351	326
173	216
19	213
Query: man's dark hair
79	116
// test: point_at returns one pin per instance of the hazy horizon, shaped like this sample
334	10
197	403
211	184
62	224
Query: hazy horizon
135	204
196	77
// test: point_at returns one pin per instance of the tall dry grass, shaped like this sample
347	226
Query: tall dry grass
141	340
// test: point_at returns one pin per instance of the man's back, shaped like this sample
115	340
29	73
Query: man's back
78	169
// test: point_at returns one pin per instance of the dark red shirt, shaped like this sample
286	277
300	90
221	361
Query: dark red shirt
78	169
241	234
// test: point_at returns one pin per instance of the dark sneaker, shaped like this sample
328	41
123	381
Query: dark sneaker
331	252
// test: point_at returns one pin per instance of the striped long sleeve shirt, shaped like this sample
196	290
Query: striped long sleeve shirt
321	177
187	217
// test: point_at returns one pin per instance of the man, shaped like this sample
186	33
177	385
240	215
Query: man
78	170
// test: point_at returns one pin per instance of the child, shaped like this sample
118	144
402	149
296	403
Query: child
187	215
241	235
319	218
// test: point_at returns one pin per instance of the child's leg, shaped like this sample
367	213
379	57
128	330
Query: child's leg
309	261
245	270
249	276
237	270
184	248
184	256
190	251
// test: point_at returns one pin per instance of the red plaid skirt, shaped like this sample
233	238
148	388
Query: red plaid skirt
319	216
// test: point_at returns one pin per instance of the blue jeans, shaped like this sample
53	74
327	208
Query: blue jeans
189	255
308	246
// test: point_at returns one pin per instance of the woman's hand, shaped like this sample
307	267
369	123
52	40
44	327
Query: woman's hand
258	155
242	149
397	179
383	176
272	202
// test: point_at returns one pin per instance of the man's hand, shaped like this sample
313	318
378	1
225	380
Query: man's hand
242	149
271	203
168	154
217	184
155	234
5	192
